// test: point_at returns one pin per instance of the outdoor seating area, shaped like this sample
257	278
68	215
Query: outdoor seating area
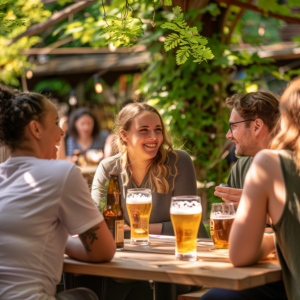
149	150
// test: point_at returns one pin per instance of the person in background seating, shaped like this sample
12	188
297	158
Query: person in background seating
84	133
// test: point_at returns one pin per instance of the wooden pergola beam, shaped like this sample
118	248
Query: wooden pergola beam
80	50
54	19
252	7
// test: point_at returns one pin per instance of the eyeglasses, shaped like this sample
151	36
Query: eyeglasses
239	122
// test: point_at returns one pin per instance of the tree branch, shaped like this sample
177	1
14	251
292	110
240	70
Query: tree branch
261	11
237	18
54	19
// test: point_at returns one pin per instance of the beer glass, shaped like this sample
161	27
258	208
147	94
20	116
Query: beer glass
186	213
139	205
221	218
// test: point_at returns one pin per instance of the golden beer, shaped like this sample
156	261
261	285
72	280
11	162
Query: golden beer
139	215
139	205
221	218
186	230
186	213
219	230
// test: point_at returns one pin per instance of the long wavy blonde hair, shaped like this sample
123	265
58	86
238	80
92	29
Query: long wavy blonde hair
158	169
288	129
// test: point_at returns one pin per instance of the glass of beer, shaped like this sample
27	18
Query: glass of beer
139	205
186	213
221	218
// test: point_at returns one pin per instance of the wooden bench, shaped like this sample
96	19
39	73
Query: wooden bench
193	295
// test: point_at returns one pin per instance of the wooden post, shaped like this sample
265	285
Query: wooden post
4	153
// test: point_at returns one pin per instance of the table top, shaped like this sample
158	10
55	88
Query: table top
88	169
157	262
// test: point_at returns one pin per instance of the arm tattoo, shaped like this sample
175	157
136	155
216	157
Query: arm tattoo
87	238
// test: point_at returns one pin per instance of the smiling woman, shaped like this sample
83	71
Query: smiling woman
146	159
42	202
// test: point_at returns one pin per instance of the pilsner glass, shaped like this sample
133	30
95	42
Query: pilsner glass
139	205
186	213
221	218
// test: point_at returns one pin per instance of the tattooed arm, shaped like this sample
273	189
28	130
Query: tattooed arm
94	245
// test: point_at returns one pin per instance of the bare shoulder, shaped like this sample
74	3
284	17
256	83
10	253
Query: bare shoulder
266	157
265	164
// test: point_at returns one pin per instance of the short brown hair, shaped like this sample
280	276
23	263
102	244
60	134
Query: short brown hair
261	104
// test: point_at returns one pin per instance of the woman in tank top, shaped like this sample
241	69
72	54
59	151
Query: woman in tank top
272	188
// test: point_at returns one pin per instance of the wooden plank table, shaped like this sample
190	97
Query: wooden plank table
157	262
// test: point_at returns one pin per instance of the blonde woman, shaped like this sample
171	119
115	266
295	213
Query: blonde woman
147	159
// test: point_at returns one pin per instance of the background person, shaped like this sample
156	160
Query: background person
84	133
42	202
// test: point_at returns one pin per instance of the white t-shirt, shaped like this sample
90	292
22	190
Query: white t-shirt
41	202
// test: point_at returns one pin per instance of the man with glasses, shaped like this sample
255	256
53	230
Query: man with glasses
251	126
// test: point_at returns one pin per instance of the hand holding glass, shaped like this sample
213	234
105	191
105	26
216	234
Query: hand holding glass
186	213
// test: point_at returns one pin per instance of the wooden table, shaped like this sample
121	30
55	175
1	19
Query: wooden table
157	262
88	173
88	169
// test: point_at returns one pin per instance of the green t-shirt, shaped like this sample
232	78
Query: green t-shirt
238	173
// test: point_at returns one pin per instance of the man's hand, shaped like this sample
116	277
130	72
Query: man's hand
228	194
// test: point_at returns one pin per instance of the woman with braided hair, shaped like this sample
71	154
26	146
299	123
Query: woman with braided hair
42	201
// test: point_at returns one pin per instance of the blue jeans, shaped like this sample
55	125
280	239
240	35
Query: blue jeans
271	291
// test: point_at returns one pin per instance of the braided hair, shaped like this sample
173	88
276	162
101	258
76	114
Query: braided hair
17	110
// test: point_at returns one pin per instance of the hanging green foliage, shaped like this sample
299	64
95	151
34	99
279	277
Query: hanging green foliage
123	32
188	39
6	23
167	2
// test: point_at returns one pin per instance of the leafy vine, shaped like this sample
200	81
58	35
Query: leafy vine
188	39
125	30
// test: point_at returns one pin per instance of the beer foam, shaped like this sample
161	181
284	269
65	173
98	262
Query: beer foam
226	217
185	208
222	215
137	199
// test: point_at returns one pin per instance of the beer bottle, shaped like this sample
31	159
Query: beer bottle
113	211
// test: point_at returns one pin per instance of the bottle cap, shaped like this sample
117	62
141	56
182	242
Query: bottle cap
113	174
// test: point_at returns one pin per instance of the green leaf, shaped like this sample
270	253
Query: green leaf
167	2
200	39
171	26
292	3
182	55
212	8
171	41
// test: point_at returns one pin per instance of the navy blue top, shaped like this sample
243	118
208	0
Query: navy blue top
98	143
